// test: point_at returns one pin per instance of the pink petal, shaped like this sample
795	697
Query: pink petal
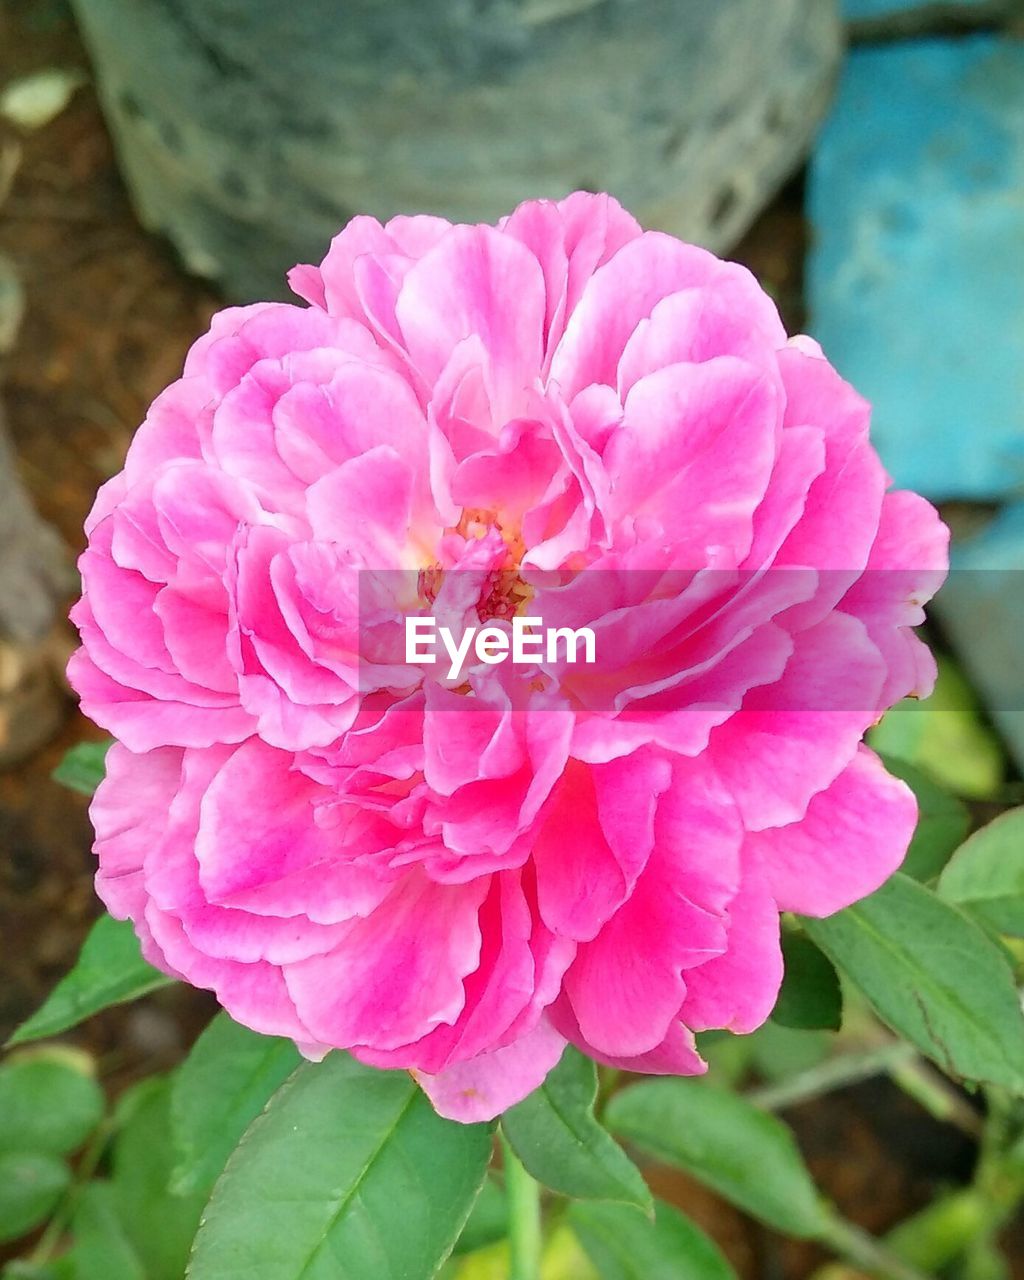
398	973
689	431
128	813
738	989
625	291
675	1055
264	846
627	985
854	836
365	505
595	840
794	737
485	1086
463	286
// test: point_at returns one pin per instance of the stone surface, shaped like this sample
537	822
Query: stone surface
12	305
36	578
857	9
981	608
35	574
916	279
249	131
36	581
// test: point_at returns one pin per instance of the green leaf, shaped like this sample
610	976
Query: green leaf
555	1135
30	1186
934	977
101	1250
218	1091
49	1102
348	1173
21	1269
987	874
945	736
810	998
82	767
935	1236
729	1057
743	1153
778	1052
158	1224
109	970
943	821
625	1246
487	1221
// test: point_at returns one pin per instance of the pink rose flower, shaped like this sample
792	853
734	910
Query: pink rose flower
560	416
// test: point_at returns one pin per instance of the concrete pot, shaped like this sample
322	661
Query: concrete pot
249	130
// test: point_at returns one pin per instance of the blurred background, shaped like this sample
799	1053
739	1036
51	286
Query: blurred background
866	161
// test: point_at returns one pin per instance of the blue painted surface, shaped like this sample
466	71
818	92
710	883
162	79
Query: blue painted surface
916	278
981	608
882	8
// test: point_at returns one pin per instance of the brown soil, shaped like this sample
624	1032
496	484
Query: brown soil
108	319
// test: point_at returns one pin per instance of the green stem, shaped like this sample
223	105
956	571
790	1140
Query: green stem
524	1229
607	1082
897	1059
937	1235
925	1243
998	1179
856	1246
938	1097
832	1074
64	1212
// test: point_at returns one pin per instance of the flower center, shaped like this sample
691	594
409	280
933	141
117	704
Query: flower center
503	593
